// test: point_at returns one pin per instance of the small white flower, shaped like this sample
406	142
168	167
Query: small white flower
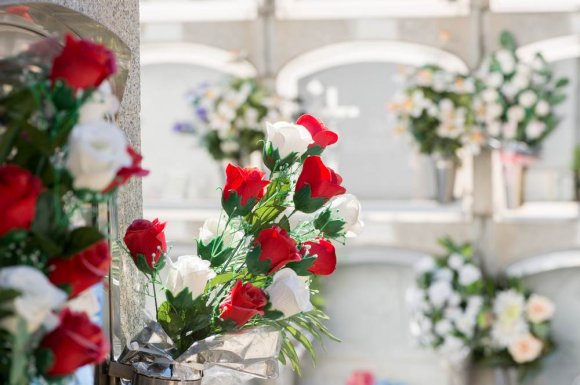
525	348
415	299
469	274
288	138
443	327
456	261
490	95
452	346
466	324
474	305
509	90
543	108
425	265
348	208
97	151
509	130
494	128
38	297
443	274
516	114
454	299
439	292
495	79
289	293
506	60
189	271
493	111
539	309
521	82
100	105
528	98
535	129
452	313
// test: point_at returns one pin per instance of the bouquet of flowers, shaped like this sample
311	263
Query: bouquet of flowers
515	99
435	109
516	329
229	118
447	300
255	261
59	154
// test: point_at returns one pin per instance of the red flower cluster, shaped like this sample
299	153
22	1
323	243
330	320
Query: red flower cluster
243	189
325	263
316	185
146	238
277	247
19	191
243	302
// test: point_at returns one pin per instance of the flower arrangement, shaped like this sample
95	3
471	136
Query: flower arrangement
516	329
59	154
515	99
229	117
447	300
435	109
255	262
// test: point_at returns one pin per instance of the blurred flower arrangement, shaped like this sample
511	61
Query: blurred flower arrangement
516	329
447	300
362	377
230	117
255	263
515	99
60	154
435	109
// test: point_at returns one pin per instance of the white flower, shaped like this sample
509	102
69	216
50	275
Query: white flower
452	346
469	274
466	324
474	305
444	274
213	227
538	64
289	293
543	108
439	292
454	299
509	130
494	128
443	327
509	323
348	208
455	261
525	348
452	313
97	150
494	79
535	129
490	95
189	271
87	302
288	138
425	265
415	299
100	105
516	114
539	309
509	90
528	98
493	111
506	60
38	297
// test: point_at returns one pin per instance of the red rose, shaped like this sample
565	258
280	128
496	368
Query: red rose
244	302
74	343
126	173
82	270
83	64
361	378
325	263
146	238
322	181
247	184
277	247
19	191
321	135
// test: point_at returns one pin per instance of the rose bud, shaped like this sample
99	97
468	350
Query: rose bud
277	247
285	141
361	378
147	239
82	270
289	293
322	136
323	250
348	208
316	185
74	343
243	189
128	172
83	64
244	302
19	191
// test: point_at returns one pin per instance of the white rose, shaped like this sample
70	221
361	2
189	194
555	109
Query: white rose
539	309
528	98
289	293
425	265
38	297
288	138
509	130
439	292
213	227
516	114
469	274
543	108
490	95
97	150
535	129
348	208
526	348
189	271
455	261
100	105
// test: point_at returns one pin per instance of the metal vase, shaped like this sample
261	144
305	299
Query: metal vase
445	172
506	376
514	176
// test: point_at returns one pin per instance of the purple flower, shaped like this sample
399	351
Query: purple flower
201	113
184	128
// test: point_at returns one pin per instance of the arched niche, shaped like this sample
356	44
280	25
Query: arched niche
555	275
364	74
182	172
25	24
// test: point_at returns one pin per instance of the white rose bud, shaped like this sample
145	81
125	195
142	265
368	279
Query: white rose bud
289	293
100	105
288	138
38	297
348	208
189	271
97	150
469	274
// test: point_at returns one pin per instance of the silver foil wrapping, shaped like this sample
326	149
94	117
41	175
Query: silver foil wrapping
221	359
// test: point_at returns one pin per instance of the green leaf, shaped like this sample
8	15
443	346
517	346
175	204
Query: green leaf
44	359
305	203
284	223
563	82
556	99
143	266
63	96
508	41
301	267
19	357
330	227
302	339
221	279
255	266
82	238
